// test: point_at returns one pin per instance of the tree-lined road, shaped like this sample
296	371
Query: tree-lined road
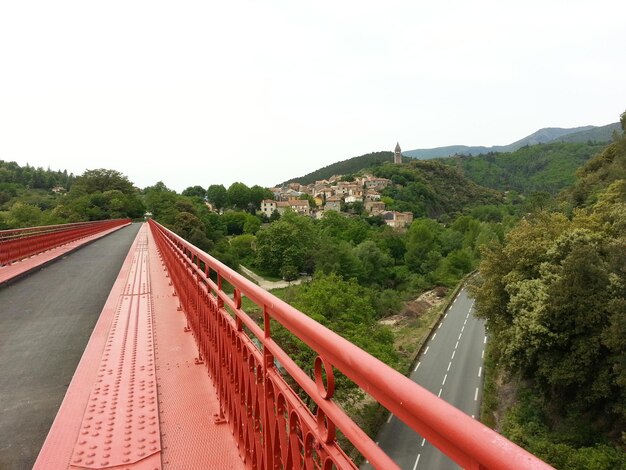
450	367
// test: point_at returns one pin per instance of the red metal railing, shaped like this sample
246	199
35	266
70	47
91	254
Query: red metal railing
21	243
271	424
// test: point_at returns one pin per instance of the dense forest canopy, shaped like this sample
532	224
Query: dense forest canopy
554	297
430	189
543	167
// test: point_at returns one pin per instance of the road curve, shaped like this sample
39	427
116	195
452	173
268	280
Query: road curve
451	367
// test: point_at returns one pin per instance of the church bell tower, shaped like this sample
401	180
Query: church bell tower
397	156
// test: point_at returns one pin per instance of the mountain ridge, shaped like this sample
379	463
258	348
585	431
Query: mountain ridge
545	135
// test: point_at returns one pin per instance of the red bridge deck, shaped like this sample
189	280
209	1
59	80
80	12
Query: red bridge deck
137	399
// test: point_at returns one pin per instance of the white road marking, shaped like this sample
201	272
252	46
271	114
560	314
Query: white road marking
482	354
439	326
426	350
417	461
472	416
453	353
463	328
444	380
423	442
480	370
445	316
476	394
389	419
449	364
439	394
455	300
485	341
417	366
460	335
457	345
434	336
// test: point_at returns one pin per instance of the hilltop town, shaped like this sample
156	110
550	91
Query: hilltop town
338	194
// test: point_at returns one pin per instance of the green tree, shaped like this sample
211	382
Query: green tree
291	240
374	261
239	196
22	215
244	247
252	224
338	257
257	194
422	240
234	221
195	191
102	180
192	229
218	196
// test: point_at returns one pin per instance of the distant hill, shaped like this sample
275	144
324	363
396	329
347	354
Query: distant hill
597	134
542	167
346	167
542	136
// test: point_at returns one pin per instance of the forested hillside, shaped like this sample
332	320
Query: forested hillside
554	298
536	168
542	167
27	198
430	189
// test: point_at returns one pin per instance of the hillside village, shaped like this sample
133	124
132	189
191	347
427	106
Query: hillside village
336	194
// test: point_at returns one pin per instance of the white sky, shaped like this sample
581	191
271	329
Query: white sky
207	92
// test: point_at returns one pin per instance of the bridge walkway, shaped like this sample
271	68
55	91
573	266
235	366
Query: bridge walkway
77	329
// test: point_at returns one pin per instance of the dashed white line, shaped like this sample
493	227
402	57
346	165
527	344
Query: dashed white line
473	417
417	367
457	345
482	354
444	380
453	353
480	371
449	364
389	419
434	336
439	394
423	441
426	350
463	328
445	316
417	461
460	334
476	394
439	326
485	341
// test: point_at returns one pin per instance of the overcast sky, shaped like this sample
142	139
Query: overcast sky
214	92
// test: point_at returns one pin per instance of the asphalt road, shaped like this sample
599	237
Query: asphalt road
451	367
46	319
